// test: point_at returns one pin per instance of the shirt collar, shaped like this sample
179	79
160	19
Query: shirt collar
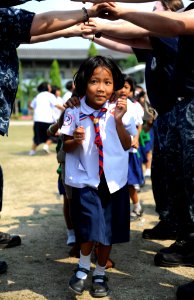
87	110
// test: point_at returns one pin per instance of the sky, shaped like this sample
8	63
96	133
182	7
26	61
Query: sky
74	42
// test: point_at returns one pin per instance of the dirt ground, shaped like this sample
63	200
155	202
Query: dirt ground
40	268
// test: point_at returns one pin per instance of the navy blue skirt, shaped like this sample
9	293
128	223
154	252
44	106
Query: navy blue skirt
99	216
135	171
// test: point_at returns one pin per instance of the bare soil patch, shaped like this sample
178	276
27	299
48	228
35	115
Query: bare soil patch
40	268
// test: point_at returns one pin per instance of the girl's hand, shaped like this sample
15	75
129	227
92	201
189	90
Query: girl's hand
72	102
135	142
120	109
79	135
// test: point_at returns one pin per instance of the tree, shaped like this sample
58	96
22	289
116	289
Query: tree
19	101
92	51
55	75
130	61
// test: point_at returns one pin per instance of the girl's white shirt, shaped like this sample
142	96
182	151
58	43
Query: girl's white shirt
81	167
137	112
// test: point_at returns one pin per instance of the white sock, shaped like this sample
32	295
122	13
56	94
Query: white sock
99	271
70	232
45	147
147	172
84	262
137	207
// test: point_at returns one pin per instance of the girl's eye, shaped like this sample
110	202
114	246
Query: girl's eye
93	81
108	82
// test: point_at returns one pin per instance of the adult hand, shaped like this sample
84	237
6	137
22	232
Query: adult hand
92	27
75	30
112	12
94	1
98	10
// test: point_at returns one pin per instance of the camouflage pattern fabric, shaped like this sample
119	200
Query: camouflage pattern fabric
15	27
159	170
8	3
180	162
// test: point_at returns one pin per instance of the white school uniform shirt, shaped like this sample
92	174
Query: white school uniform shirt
137	112
56	111
81	167
67	96
43	105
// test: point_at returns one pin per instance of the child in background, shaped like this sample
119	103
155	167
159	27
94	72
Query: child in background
146	137
96	142
56	90
64	190
135	173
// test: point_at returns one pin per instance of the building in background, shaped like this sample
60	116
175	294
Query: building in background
37	62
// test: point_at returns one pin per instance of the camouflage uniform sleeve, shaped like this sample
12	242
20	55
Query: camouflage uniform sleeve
9	3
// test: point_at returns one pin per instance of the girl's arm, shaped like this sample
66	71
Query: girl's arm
124	136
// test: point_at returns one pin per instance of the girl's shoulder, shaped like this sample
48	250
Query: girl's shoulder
72	115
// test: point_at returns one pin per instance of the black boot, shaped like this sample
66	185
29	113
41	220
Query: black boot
180	253
162	231
186	291
3	267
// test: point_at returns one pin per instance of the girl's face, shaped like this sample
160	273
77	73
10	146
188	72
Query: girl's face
125	92
99	87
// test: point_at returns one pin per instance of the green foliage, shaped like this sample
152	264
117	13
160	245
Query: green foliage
55	76
92	51
19	94
30	88
129	62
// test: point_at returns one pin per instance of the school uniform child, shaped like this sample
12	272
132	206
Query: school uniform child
135	172
96	141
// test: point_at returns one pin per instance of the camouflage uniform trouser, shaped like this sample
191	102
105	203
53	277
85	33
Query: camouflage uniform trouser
176	144
159	172
1	187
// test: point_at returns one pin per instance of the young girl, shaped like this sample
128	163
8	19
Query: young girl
135	172
96	140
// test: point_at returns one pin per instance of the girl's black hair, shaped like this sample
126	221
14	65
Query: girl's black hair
69	85
87	68
54	88
43	87
130	81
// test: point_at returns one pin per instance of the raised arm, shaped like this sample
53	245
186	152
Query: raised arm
164	23
114	37
123	135
72	31
123	1
57	20
9	3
